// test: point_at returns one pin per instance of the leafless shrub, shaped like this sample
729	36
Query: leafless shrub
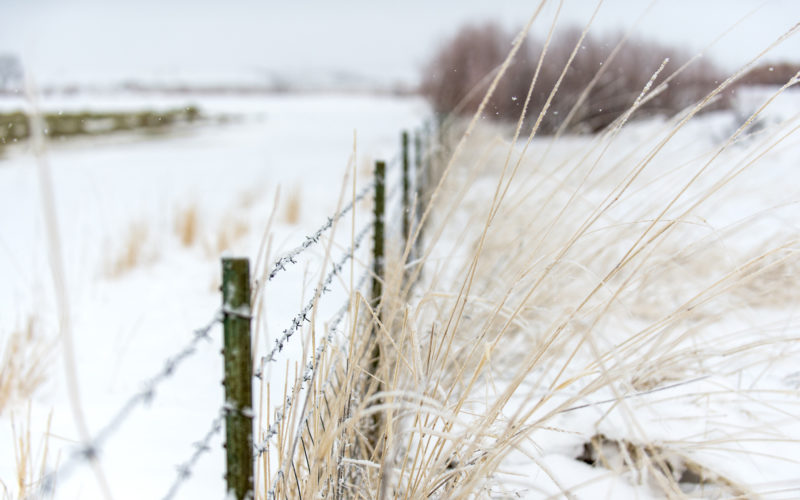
456	78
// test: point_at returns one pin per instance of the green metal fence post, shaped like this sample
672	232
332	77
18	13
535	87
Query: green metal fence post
238	378
378	274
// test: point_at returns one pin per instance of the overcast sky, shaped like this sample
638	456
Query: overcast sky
388	40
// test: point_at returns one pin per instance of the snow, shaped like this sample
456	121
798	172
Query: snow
127	190
733	407
116	192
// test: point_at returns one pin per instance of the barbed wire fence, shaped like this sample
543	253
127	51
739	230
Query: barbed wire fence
86	453
398	206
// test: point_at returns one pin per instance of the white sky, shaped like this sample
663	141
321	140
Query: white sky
389	40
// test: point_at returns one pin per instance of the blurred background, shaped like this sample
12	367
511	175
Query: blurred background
178	131
318	45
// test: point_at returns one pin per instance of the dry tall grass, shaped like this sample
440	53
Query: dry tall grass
32	461
136	250
567	285
291	213
187	225
26	356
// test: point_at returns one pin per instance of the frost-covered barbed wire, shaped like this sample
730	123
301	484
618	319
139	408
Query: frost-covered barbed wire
200	447
89	451
167	370
308	374
291	256
263	446
302	316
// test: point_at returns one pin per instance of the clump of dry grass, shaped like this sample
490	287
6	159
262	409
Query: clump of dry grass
26	357
136	250
32	462
292	209
25	360
187	225
562	278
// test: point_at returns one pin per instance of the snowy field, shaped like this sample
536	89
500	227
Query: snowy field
693	348
636	295
142	224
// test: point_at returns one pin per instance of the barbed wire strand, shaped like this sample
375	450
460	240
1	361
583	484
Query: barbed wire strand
302	316
201	447
90	450
290	256
308	374
272	430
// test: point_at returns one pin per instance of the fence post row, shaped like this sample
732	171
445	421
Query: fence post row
238	378
237	319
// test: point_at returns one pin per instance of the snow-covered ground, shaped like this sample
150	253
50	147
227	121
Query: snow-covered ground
703	315
136	292
735	414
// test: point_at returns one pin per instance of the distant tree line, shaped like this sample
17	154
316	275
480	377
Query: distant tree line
459	73
770	74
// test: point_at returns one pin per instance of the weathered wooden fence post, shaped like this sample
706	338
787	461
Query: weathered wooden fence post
238	378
